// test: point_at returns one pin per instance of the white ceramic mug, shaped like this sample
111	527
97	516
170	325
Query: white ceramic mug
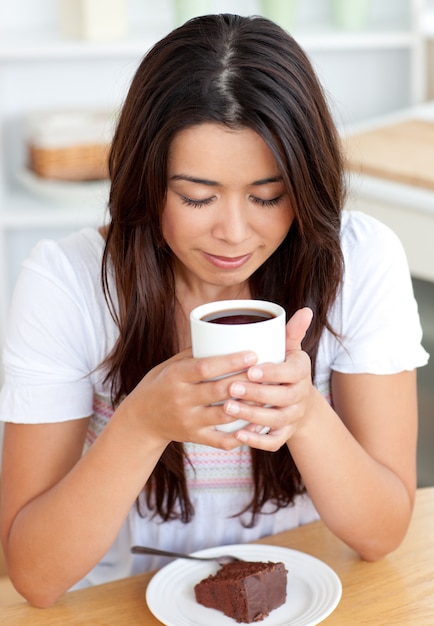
219	328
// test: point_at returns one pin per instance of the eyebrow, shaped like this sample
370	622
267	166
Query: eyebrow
214	183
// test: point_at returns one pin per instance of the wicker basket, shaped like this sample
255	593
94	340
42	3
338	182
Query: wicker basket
74	163
71	146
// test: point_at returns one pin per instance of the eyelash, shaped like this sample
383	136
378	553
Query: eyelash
267	203
202	203
196	203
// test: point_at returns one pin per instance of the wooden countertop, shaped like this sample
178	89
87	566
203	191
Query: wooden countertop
402	152
396	591
390	164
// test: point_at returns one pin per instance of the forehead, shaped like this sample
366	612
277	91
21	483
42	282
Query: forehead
210	146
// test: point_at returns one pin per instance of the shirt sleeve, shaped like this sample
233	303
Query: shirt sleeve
377	313
49	344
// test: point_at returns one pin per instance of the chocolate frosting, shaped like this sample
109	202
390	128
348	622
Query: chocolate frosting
245	590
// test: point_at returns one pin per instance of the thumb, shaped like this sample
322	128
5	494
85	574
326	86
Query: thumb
296	328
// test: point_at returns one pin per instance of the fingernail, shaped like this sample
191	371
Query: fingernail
238	390
256	373
250	358
241	436
232	408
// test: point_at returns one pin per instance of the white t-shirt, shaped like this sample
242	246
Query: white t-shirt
60	330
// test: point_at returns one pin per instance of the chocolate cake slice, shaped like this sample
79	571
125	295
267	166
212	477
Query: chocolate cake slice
245	590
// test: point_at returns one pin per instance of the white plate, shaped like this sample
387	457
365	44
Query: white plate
313	592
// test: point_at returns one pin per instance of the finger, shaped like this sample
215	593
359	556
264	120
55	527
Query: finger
281	373
297	327
254	414
211	417
265	395
211	368
220	439
270	442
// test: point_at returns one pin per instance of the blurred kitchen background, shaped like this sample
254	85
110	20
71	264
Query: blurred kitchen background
65	66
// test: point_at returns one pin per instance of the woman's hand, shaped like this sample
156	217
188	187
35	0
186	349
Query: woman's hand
182	399
281	399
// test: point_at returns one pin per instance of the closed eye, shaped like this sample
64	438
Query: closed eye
207	201
196	203
267	203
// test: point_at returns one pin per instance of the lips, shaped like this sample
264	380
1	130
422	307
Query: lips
225	262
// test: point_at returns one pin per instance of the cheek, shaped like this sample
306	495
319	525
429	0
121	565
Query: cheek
180	230
165	227
170	222
288	222
169	230
279	227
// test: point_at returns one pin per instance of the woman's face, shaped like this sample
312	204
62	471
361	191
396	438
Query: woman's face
226	208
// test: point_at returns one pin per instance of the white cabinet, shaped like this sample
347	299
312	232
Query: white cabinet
366	73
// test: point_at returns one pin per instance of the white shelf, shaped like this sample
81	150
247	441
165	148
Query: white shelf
337	40
26	211
36	46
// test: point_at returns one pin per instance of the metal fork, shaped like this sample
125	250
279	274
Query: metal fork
223	559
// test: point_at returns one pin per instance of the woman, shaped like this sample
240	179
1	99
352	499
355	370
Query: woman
226	182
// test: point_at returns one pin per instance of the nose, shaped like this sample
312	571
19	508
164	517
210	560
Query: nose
232	224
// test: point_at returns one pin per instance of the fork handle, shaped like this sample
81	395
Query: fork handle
146	550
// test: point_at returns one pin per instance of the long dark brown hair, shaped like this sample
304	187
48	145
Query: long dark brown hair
242	72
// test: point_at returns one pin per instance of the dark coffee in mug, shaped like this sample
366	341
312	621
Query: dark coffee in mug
238	316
